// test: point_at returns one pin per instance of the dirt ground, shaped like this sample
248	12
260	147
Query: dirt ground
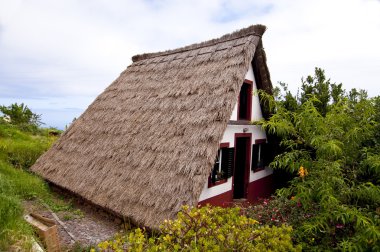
87	224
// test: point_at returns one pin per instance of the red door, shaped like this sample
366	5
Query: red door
242	164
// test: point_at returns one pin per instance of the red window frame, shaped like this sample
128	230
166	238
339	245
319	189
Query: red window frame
259	141
222	181
249	101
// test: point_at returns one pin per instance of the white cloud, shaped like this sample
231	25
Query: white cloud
73	49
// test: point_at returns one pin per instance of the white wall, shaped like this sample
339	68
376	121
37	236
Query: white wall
255	130
253	176
257	133
215	190
234	112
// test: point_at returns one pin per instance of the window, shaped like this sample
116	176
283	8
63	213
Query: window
245	101
223	166
260	155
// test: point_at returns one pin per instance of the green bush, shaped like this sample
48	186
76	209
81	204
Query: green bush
207	229
337	142
20	114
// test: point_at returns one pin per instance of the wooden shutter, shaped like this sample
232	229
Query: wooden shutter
228	161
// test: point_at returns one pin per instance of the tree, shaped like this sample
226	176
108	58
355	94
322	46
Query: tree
319	87
330	144
21	115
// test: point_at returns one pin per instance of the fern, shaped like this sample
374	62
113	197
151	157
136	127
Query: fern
330	150
338	145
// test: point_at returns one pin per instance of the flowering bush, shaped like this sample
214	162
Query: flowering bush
276	211
207	229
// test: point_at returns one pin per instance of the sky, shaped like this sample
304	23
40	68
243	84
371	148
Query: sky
58	56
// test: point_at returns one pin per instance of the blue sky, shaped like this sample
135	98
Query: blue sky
57	56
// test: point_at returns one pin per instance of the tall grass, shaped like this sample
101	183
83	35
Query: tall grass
21	149
18	151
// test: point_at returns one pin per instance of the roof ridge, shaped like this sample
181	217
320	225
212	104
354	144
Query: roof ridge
256	30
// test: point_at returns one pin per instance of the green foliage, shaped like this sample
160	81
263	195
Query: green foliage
18	151
20	183
207	229
21	115
278	211
20	148
10	210
16	185
335	136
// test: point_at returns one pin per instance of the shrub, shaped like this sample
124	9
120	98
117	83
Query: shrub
277	211
207	229
20	114
337	143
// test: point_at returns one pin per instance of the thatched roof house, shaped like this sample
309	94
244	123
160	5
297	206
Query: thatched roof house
147	144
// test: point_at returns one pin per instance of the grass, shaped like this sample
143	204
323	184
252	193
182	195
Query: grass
18	151
15	186
21	149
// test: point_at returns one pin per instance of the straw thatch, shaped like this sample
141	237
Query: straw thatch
147	144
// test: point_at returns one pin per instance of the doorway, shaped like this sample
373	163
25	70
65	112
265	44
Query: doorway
242	162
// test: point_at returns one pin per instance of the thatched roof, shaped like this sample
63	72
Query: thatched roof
147	144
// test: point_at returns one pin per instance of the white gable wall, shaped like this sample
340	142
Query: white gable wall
229	137
256	109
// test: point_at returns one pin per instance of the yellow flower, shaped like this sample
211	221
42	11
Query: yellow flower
104	245
302	172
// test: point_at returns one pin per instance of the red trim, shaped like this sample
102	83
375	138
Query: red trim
261	188
224	145
249	101
248	81
222	181
247	161
223	200
260	141
243	135
259	169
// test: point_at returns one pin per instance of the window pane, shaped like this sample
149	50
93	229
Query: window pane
223	166
214	173
243	102
258	156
